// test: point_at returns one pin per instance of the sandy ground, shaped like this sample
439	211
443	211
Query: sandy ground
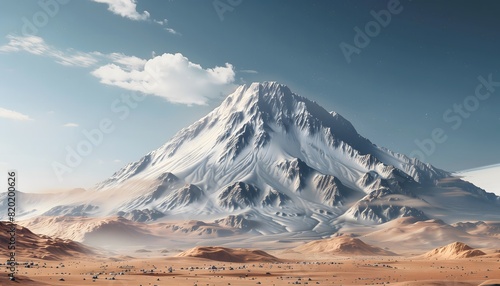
195	271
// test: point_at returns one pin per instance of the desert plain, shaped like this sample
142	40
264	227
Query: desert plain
335	261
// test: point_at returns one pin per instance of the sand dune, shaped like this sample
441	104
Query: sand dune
229	254
453	251
341	245
30	245
408	236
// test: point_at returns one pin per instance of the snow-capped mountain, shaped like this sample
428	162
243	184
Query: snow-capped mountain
268	150
266	126
269	161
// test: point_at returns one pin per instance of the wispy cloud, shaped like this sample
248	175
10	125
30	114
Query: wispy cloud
13	115
249	71
127	62
37	46
164	22
128	9
125	8
172	31
70	124
70	57
171	76
161	22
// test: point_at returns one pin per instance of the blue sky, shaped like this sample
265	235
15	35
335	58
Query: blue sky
129	74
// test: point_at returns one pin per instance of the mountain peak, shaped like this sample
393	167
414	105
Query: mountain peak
268	87
273	101
248	94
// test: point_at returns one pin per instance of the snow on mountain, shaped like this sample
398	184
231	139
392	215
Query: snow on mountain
236	221
278	162
141	215
484	177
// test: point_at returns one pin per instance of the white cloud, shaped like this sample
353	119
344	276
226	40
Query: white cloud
13	115
164	22
249	71
127	62
161	22
171	76
125	8
70	124
128	9
117	161
37	46
31	44
172	31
